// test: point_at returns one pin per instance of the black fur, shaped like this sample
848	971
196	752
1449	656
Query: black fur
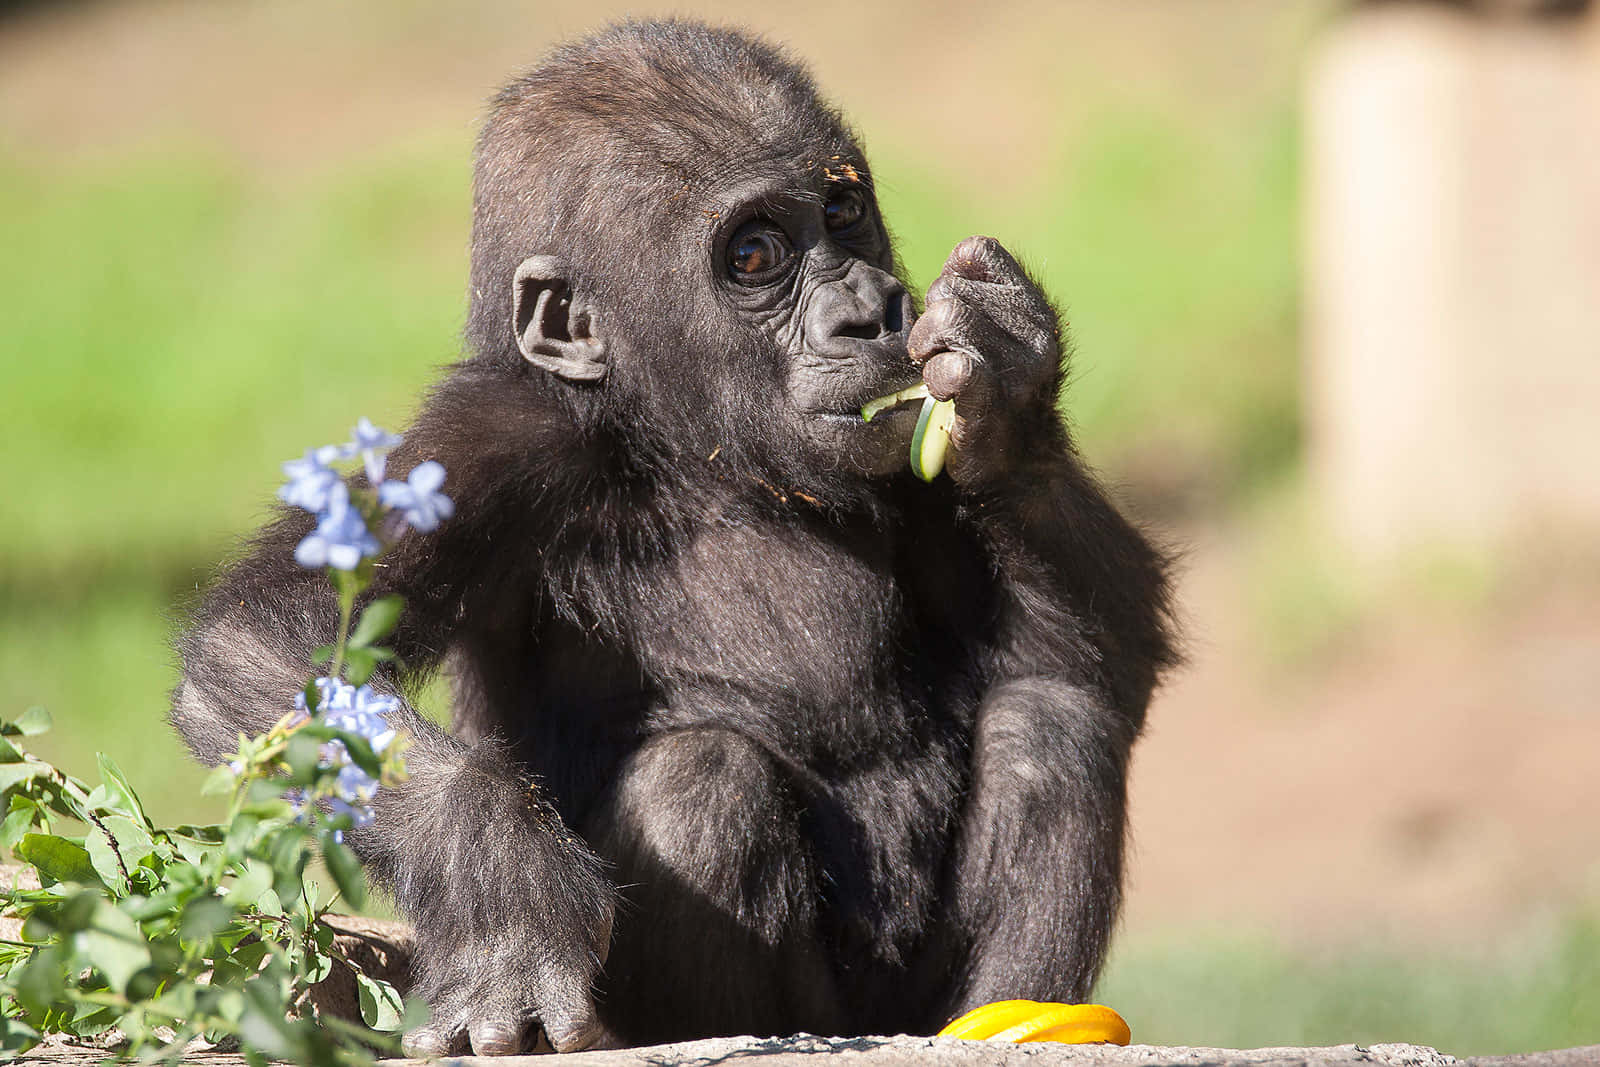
851	747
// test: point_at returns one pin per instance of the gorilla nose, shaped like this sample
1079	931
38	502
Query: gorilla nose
866	305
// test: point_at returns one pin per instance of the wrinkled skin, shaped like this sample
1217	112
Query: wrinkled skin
752	732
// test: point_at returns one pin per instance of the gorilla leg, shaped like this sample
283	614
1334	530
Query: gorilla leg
717	932
1039	869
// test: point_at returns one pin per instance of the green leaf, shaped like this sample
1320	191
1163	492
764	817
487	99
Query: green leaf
269	903
16	1036
195	843
416	1014
366	661
33	722
239	837
346	871
381	1006
322	654
264	1030
42	980
361	754
74	913
378	620
204	918
118	793
13	774
319	961
250	956
219	782
180	1000
58	859
359	663
158	905
91	1020
66	795
313	696
302	754
18	822
290	853
132	842
9	753
114	945
256	879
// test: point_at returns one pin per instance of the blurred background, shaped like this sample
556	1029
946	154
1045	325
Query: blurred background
1333	271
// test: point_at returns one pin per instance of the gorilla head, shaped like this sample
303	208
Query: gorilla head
668	213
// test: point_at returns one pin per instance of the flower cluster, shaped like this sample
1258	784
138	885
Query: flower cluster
362	712
343	538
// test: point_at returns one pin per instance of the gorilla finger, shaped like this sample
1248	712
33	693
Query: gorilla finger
572	1031
500	1034
935	321
434	1040
981	271
947	373
955	324
983	259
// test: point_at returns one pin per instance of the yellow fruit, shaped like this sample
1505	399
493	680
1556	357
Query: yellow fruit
1030	1020
980	1023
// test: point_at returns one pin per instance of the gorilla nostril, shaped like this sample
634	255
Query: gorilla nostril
866	331
894	314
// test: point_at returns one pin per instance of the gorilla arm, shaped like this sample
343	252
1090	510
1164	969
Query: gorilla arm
512	912
1080	638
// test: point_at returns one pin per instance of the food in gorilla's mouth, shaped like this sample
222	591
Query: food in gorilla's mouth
931	439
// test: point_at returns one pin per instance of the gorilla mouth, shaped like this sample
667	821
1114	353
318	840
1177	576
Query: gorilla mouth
863	405
883	399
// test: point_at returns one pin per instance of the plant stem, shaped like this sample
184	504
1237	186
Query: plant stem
347	604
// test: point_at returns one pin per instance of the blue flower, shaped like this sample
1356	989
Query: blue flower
341	539
418	497
311	480
362	712
371	442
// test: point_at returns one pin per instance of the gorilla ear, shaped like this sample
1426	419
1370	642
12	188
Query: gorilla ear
555	327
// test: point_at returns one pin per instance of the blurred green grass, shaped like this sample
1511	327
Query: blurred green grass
1232	991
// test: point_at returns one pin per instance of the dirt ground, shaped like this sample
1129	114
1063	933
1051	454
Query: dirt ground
1432	772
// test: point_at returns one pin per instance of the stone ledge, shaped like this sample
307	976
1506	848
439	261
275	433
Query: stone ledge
904	1051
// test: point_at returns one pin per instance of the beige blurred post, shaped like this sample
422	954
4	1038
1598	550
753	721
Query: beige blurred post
1452	387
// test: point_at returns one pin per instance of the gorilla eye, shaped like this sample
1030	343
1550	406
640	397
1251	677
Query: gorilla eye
756	251
845	210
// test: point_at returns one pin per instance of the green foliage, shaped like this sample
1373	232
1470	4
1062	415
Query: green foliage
172	933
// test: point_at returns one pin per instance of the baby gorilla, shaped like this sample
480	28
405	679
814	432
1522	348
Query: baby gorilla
754	732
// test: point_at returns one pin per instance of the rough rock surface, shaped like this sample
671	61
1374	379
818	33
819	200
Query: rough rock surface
902	1051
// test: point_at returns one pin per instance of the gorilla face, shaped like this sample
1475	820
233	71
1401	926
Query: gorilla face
810	269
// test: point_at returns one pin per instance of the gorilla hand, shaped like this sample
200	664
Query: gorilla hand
990	339
513	922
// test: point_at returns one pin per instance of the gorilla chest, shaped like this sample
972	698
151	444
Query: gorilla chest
802	620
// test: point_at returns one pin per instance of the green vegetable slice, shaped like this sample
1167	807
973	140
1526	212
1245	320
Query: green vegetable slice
883	403
931	439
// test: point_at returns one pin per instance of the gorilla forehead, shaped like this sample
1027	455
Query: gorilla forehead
656	109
